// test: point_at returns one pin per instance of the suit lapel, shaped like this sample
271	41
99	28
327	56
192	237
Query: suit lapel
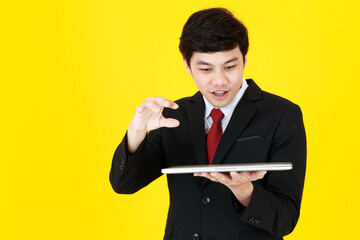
196	113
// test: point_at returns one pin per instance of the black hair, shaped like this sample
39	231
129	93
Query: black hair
213	30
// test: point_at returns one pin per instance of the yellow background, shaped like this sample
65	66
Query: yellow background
72	73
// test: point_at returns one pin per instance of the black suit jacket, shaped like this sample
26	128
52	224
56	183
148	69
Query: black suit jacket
263	128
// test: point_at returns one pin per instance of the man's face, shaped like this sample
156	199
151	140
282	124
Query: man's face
217	75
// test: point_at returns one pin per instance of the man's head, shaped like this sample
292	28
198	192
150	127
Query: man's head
213	30
214	45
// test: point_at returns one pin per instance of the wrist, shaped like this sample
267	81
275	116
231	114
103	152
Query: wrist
244	193
134	139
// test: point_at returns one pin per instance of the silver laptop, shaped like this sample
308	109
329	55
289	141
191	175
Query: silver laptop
240	167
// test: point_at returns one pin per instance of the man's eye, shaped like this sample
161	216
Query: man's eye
205	69
230	67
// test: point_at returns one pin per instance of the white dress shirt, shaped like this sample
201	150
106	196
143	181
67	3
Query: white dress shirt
227	110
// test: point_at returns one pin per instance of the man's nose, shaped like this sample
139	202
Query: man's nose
219	78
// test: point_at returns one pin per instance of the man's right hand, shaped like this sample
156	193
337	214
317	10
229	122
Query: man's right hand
148	116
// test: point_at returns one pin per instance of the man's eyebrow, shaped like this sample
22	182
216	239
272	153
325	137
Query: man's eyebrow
201	62
231	60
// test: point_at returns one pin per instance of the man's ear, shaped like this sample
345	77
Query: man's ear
188	69
245	60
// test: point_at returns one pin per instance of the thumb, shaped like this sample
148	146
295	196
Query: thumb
169	122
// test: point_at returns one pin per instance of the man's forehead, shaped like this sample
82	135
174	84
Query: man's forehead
221	57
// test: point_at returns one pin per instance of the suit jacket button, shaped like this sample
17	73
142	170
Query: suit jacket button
122	164
195	236
206	200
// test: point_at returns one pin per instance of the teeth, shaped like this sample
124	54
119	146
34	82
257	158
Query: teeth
219	93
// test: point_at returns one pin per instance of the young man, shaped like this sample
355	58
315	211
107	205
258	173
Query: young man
248	125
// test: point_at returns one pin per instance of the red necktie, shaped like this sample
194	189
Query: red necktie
214	134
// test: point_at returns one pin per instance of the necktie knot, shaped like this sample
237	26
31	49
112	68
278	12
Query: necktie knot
216	115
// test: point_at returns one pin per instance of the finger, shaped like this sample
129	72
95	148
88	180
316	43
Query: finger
223	178
253	175
260	174
153	106
246	175
211	177
198	174
235	176
163	102
172	105
140	109
257	174
206	175
168	122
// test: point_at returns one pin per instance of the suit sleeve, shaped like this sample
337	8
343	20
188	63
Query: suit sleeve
275	206
130	173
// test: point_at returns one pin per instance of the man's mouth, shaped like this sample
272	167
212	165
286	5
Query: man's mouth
219	94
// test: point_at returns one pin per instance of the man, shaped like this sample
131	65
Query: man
248	125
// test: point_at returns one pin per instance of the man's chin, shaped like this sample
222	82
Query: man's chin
219	103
